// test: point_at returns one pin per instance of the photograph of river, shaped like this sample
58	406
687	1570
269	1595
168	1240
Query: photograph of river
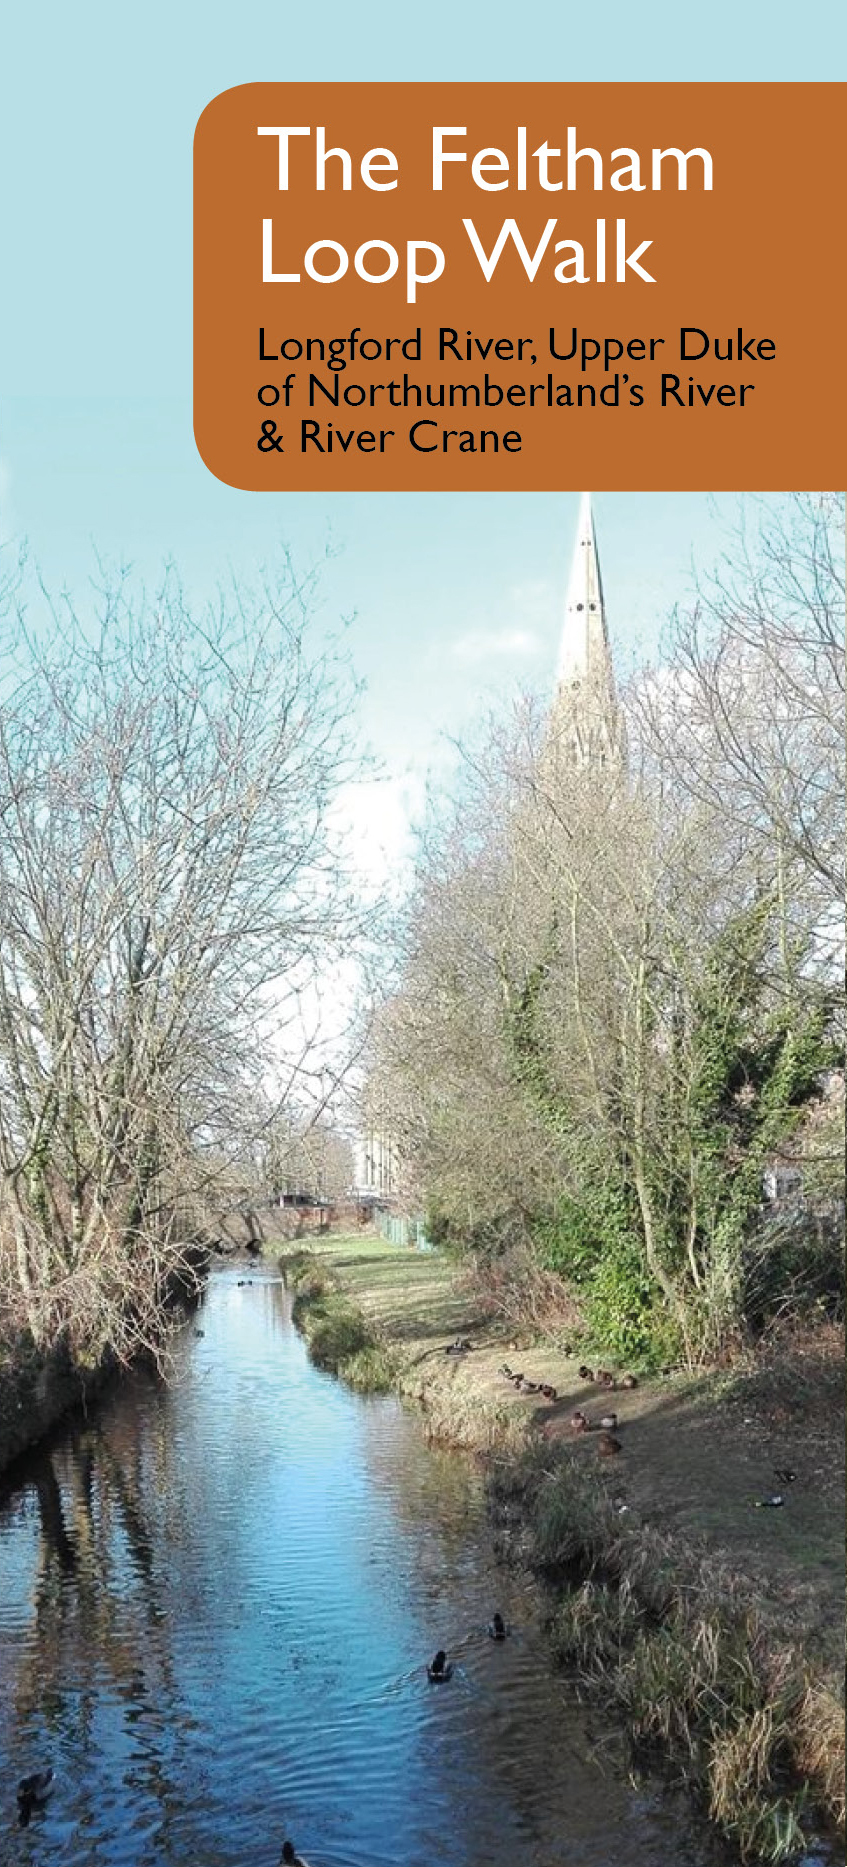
421	1196
423	1036
217	1602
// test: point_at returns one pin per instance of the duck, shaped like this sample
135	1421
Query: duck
579	1422
290	1856
516	1379
459	1347
608	1445
497	1627
530	1387
440	1669
33	1792
586	1374
784	1474
604	1377
627	1380
550	1393
506	1371
608	1422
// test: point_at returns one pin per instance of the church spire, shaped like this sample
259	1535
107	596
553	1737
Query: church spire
585	643
586	719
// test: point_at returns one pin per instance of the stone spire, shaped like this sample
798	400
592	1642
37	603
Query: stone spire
585	722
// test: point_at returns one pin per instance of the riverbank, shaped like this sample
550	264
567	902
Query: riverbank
252	1562
39	1387
36	1392
712	1625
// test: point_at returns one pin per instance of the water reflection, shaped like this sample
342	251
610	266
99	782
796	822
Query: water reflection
216	1601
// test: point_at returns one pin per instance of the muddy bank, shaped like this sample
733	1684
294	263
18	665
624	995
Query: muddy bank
680	1618
38	1387
36	1392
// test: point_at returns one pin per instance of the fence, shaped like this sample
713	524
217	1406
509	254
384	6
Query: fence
400	1231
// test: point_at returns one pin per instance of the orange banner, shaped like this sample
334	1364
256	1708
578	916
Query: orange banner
520	286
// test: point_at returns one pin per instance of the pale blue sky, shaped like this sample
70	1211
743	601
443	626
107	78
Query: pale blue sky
453	593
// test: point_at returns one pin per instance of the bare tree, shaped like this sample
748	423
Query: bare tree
748	708
606	1018
171	865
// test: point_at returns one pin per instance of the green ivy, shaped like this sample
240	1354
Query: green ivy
740	1064
756	1066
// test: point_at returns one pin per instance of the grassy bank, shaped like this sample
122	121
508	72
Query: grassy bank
336	1330
674	1641
711	1626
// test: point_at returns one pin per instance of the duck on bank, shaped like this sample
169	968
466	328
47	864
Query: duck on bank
531	1461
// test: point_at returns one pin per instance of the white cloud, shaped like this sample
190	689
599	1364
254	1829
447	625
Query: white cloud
479	645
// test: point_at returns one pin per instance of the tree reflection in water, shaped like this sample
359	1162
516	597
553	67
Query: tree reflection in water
218	1600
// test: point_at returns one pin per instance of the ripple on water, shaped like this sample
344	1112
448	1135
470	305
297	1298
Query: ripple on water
217	1604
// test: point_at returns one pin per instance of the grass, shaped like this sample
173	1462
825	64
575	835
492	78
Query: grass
674	1643
711	1627
409	1308
338	1335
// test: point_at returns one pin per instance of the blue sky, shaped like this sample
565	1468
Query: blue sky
454	595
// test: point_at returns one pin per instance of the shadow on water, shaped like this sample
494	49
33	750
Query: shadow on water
216	1604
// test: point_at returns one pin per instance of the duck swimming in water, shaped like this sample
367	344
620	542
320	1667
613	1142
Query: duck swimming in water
33	1792
290	1856
497	1627
439	1669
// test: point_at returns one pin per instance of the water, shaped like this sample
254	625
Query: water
216	1602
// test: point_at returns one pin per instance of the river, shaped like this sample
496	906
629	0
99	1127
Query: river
217	1598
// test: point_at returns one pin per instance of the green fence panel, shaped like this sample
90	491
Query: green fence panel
401	1231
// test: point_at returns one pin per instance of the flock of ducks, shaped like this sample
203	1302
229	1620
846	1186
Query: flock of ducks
440	1669
35	1789
604	1378
608	1445
524	1385
606	1426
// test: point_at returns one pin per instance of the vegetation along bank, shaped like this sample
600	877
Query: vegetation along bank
708	1620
